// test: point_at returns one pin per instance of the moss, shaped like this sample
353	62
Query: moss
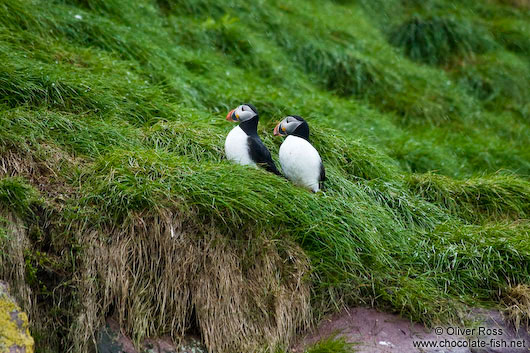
13	333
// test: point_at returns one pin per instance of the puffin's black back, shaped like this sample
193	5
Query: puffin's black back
261	155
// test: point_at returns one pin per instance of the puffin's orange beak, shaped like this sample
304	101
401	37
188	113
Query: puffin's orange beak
229	115
277	130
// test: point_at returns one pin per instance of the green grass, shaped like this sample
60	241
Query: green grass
476	198
331	345
436	40
17	195
113	113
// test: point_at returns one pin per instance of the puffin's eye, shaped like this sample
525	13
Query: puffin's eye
242	108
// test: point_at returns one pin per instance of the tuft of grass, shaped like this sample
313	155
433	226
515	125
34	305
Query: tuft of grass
332	344
496	196
338	70
197	141
17	195
437	40
43	88
12	263
517	3
422	156
189	7
267	297
516	301
493	79
342	69
457	252
229	38
511	33
353	157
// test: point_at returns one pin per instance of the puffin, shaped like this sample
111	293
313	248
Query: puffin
299	160
243	145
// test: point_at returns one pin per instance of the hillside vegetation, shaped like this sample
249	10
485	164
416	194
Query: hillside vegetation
116	198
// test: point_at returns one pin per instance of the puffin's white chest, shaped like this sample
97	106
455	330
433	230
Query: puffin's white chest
300	162
236	147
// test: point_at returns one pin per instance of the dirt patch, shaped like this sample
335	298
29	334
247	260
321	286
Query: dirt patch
377	332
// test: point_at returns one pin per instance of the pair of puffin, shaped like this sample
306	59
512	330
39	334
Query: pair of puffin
300	161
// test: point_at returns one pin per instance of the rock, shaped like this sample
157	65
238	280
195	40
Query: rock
14	325
165	345
111	340
500	336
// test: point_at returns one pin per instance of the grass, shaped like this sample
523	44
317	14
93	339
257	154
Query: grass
436	40
17	196
517	302
490	197
332	344
114	187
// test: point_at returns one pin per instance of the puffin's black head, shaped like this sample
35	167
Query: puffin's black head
244	112
292	125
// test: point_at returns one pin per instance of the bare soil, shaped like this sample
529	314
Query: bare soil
378	332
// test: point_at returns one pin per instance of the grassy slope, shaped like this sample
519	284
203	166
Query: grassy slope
109	110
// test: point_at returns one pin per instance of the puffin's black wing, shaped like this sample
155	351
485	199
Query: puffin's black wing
261	155
322	175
